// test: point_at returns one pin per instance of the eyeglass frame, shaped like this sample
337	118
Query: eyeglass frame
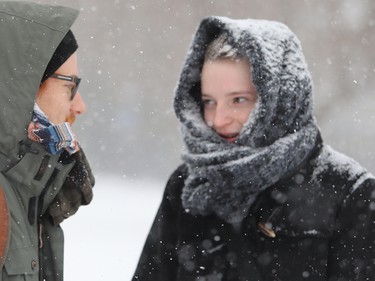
76	80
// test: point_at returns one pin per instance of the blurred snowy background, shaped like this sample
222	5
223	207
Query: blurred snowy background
131	53
104	240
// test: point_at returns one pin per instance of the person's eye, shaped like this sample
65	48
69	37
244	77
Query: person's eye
240	100
208	102
70	88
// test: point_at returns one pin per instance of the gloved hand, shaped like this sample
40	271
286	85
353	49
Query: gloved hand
76	190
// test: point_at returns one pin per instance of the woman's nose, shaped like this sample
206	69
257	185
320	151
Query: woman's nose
223	116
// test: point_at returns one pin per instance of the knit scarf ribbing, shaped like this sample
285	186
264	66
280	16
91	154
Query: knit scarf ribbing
55	138
227	179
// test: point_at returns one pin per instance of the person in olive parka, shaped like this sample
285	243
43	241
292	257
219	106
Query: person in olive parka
259	195
44	174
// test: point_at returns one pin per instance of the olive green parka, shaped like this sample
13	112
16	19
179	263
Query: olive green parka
30	177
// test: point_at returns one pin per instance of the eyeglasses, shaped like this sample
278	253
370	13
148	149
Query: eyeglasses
73	79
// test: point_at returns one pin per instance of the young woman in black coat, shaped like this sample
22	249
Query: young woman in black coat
259	195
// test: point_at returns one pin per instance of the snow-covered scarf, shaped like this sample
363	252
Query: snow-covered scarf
280	134
227	179
55	138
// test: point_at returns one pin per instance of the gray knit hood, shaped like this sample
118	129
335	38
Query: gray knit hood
280	134
279	73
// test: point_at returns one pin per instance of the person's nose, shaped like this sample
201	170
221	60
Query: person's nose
223	116
78	105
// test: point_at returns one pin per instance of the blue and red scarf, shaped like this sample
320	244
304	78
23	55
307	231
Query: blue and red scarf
55	138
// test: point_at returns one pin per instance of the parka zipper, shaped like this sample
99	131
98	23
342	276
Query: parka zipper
40	220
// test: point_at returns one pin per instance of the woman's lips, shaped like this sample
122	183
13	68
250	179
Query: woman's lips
229	137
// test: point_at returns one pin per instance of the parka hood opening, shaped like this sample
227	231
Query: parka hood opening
30	34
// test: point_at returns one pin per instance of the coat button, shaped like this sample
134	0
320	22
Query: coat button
266	229
34	265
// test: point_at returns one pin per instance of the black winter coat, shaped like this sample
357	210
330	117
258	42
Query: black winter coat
318	224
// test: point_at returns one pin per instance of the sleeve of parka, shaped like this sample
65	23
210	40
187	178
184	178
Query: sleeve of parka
352	249
158	261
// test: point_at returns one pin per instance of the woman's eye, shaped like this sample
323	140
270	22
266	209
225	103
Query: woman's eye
239	100
208	102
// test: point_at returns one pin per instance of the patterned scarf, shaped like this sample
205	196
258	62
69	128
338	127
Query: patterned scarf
55	138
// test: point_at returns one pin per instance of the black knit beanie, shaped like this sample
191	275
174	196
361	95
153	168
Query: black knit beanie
65	49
